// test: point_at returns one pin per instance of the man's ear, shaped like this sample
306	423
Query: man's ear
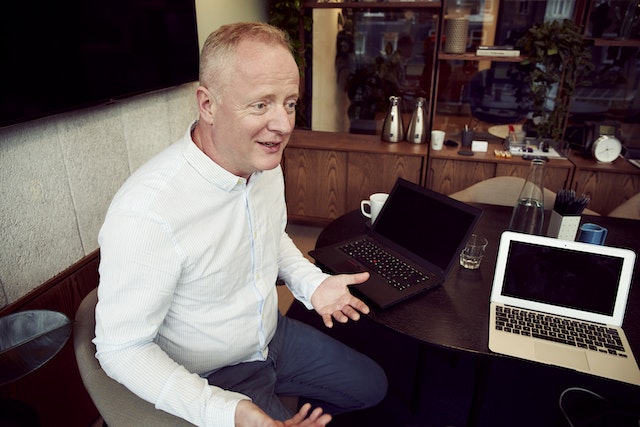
206	104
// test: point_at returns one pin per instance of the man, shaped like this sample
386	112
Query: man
191	249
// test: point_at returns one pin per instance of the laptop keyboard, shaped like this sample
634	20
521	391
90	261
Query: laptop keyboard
399	274
559	329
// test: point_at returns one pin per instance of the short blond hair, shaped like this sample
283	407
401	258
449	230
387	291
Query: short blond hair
221	45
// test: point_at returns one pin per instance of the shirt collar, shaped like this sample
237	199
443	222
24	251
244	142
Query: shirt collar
210	170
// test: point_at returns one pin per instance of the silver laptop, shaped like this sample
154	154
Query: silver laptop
562	303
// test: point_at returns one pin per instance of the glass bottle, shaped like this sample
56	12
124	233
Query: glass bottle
528	213
393	128
417	126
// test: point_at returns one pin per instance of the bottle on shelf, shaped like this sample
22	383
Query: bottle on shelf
528	213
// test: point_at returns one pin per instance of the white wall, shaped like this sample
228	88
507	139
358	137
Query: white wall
58	174
213	13
329	103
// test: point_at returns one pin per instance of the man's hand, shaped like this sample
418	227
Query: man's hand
316	419
332	299
249	415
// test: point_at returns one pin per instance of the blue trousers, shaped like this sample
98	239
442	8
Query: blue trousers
305	362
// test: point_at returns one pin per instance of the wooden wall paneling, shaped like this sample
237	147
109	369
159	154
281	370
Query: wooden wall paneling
608	184
316	182
607	190
370	173
448	176
554	179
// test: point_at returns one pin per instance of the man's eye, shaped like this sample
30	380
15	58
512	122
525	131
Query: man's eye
291	106
260	105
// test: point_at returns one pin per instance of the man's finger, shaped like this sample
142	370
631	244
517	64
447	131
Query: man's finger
351	312
328	320
340	316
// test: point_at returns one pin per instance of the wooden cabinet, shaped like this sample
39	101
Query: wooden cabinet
375	172
608	185
327	174
315	182
449	172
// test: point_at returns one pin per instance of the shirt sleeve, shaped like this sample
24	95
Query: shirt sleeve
138	275
301	276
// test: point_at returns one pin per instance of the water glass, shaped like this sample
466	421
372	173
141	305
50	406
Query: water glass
472	254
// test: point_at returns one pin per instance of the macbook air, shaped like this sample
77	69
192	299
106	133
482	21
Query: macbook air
562	303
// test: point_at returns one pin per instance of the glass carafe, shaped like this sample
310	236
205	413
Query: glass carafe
528	213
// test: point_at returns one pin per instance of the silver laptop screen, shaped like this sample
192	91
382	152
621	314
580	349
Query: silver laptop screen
562	277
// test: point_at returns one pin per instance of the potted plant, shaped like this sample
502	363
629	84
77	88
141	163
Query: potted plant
556	57
289	16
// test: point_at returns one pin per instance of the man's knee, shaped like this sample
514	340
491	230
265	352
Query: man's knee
374	387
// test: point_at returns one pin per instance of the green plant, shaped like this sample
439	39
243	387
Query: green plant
556	57
289	16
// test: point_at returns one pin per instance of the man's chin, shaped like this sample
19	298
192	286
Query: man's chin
272	162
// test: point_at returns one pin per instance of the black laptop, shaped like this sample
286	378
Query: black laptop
410	248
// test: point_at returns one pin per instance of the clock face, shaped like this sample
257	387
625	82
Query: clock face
606	149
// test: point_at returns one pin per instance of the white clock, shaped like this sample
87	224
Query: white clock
606	148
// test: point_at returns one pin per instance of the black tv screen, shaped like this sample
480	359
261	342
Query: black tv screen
61	55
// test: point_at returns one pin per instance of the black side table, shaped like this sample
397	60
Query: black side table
28	340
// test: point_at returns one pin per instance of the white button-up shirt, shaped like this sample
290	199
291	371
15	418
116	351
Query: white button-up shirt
190	254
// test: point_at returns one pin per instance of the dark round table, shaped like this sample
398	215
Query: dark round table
456	314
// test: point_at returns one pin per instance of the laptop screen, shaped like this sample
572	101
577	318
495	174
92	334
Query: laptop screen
428	224
563	277
559	276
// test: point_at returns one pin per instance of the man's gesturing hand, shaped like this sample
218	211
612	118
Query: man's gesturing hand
249	415
332	299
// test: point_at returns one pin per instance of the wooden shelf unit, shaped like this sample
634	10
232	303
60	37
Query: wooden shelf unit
327	174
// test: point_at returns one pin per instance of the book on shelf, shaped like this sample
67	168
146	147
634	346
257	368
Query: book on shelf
497	51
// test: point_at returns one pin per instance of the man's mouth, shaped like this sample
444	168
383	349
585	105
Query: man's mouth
269	144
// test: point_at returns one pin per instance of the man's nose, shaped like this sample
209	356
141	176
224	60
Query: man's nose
281	120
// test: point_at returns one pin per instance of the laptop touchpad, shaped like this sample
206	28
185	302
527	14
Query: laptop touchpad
347	266
554	354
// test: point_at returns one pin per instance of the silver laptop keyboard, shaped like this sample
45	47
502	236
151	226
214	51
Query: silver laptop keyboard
399	274
560	329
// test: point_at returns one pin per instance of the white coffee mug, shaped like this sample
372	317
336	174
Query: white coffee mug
374	205
437	139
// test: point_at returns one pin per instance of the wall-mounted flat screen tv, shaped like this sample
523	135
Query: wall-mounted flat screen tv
56	56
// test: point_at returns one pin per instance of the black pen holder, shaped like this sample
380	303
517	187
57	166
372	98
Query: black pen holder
467	138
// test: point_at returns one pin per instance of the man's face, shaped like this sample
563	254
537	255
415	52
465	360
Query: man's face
251	125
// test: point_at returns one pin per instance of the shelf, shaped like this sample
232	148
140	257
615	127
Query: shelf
373	5
615	42
339	141
470	56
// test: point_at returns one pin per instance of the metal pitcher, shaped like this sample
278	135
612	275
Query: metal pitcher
417	126
393	128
